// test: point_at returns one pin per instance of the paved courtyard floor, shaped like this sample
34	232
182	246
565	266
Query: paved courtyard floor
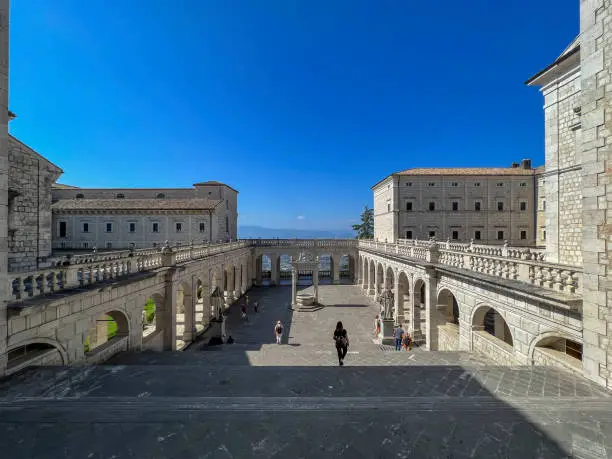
257	399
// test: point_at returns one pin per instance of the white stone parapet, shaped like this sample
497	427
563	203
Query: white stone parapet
514	263
303	243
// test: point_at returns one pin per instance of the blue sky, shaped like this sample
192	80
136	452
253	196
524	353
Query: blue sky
300	105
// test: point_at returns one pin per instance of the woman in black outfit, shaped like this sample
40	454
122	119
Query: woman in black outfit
342	342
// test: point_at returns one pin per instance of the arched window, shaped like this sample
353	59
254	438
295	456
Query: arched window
120	196
80	196
161	196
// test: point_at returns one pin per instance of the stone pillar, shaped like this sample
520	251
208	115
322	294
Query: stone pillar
98	334
228	287
498	326
431	312
190	332
274	275
396	298
596	153
258	270
169	312
4	167
237	281
335	270
294	276
315	281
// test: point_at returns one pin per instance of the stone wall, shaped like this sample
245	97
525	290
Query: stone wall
570	218
596	81
45	357
30	180
384	211
4	176
554	358
448	337
495	349
105	351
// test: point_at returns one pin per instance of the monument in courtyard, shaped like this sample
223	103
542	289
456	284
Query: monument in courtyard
305	262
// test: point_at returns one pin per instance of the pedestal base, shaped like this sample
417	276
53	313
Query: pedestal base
387	331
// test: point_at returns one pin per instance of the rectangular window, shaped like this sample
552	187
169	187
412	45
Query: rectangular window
388	207
477	206
109	245
202	227
523	184
500	206
86	227
179	227
455	206
432	234
226	223
454	184
455	235
431	184
523	234
156	227
477	184
500	235
408	234
85	245
409	184
62	229
409	206
523	205
477	235
132	227
500	184
543	204
544	235
432	206
109	227
227	203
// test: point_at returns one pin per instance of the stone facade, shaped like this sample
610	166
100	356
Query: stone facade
489	205
29	225
139	218
541	208
4	177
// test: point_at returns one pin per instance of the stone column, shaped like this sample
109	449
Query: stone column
98	333
274	275
229	288
596	153
335	270
190	332
237	282
294	276
169	312
4	167
376	281
431	313
396	297
315	280
258	270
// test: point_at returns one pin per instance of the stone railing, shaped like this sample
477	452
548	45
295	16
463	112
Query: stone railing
78	271
304	243
515	263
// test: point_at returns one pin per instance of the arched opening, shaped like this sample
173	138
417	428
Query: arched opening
418	312
558	351
365	272
266	269
379	279
109	331
185	320
372	278
199	306
35	353
403	313
346	268
326	267
490	329
447	321
284	268
152	317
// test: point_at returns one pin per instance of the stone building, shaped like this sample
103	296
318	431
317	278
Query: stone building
489	205
31	177
84	218
560	85
541	207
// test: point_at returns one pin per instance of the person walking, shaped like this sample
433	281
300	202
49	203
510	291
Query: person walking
399	334
407	341
256	305
377	325
278	331
244	313
342	342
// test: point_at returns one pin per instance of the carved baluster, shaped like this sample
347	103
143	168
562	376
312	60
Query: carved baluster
548	279
18	288
51	282
40	284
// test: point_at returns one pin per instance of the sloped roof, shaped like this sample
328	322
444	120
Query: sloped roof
467	171
214	183
135	204
572	46
61	186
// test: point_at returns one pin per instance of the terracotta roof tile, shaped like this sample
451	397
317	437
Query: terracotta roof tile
135	204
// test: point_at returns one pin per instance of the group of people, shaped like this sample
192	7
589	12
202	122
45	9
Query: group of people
403	340
244	306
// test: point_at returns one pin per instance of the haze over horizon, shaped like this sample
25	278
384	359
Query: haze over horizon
301	106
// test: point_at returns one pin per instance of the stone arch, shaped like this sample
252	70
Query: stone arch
445	321
557	349
403	302
372	278
389	278
152	315
104	328
35	351
380	275
419	299
284	268
488	319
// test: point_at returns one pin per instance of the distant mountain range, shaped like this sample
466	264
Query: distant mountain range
254	232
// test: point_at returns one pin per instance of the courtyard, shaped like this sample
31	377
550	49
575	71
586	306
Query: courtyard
255	398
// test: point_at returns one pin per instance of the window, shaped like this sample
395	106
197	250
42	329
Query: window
109	245
86	227
62	245
120	196
455	235
388	207
523	205
109	227
202	227
454	184
408	183
226	224
477	206
227	203
500	184
161	195
523	234
544	235
543	204
477	235
432	234
477	184
409	206
431	184
154	244
432	206
408	234
156	227
85	245
455	206
500	206
500	235
80	196
132	227
62	229
523	183
179	227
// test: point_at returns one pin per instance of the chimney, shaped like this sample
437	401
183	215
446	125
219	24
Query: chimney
526	164
514	165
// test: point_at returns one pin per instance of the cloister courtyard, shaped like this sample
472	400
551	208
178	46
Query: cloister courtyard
255	398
